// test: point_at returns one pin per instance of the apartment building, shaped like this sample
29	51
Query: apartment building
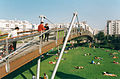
113	27
7	25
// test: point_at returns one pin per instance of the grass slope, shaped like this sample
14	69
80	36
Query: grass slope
66	68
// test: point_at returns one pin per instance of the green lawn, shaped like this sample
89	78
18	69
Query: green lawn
74	57
60	34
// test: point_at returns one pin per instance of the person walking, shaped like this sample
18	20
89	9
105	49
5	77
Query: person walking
45	76
41	28
46	34
14	34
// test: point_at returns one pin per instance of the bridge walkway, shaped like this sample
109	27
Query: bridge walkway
30	52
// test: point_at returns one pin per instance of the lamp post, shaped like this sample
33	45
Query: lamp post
42	17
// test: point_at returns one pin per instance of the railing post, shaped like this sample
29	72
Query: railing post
76	30
58	50
71	33
7	60
63	34
56	36
40	46
73	30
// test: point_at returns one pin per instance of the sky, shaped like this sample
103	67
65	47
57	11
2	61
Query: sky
94	12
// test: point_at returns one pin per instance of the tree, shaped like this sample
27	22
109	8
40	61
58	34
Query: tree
100	36
116	42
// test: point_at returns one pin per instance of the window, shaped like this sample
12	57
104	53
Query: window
7	25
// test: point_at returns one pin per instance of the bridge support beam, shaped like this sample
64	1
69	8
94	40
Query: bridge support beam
38	69
65	42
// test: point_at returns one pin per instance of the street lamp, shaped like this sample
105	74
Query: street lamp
42	17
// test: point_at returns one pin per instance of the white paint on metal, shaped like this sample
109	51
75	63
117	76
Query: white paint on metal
40	46
57	36
7	66
38	69
65	42
22	47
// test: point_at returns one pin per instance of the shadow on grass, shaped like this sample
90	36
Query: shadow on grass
62	75
23	76
28	67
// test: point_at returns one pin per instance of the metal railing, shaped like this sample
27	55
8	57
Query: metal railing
29	31
22	37
34	38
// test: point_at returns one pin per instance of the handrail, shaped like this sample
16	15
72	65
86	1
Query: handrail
20	48
18	32
1	35
23	45
3	41
11	39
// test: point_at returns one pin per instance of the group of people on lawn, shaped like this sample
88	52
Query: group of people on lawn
44	77
99	58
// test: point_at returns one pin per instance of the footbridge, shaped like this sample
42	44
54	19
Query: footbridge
31	46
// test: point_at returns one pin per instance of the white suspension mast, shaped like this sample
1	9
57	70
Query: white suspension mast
64	45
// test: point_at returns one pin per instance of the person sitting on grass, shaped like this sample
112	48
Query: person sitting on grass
83	47
56	58
93	62
114	57
88	54
115	53
109	74
79	67
115	62
42	56
98	62
50	54
65	51
61	58
85	54
98	58
95	57
52	62
111	54
33	77
93	47
58	53
107	50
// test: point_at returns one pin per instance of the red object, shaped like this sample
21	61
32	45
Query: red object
41	28
11	47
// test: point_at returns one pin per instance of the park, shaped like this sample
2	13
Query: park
74	57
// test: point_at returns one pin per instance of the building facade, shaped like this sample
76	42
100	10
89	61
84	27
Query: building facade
8	25
113	27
